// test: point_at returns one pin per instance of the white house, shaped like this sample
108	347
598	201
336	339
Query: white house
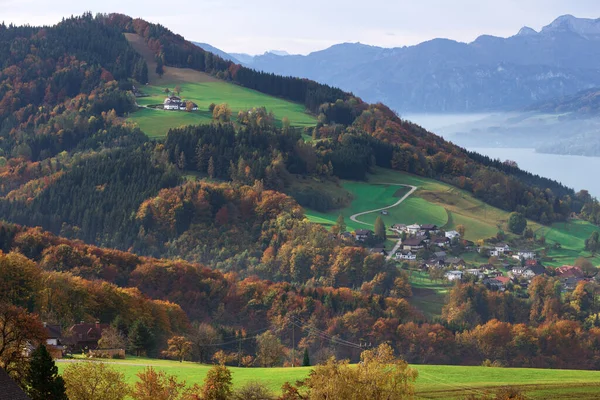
474	272
526	254
406	255
172	103
454	275
413	229
452	234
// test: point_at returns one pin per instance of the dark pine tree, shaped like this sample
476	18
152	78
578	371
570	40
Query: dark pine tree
306	359
43	381
141	338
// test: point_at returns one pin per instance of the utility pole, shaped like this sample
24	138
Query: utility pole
293	345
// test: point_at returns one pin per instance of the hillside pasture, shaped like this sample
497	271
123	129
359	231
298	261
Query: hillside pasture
434	381
156	122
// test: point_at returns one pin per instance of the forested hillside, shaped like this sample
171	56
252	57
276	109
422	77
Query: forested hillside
201	231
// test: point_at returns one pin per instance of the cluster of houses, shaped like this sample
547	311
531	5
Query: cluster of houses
80	337
176	103
420	237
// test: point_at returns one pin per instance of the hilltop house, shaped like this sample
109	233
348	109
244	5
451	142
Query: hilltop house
172	103
175	103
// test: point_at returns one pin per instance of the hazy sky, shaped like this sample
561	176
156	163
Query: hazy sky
254	26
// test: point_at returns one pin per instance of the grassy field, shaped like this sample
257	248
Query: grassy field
428	296
434	382
155	123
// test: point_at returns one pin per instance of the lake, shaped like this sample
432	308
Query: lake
578	172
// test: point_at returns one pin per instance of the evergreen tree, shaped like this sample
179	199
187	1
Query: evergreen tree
211	167
141	338
306	359
341	224
43	381
517	223
380	228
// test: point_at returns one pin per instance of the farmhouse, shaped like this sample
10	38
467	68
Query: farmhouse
526	254
86	336
172	103
429	227
528	271
474	272
413	244
499	250
54	341
399	228
456	262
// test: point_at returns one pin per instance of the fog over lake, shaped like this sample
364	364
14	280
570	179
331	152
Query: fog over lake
578	172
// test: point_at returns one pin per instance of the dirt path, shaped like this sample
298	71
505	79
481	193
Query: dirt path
355	216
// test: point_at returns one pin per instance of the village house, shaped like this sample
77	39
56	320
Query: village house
54	340
406	255
499	250
398	228
413	229
498	283
526	254
440	255
413	244
435	264
570	283
567	271
378	250
442	242
527	271
431	228
85	336
452	234
474	272
363	234
456	262
453	275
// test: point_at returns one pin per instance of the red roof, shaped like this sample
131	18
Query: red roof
569	270
503	279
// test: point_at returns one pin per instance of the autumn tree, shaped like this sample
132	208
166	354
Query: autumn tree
517	223
270	350
112	338
253	391
94	381
461	229
203	336
43	381
380	228
157	385
179	348
222	113
217	384
586	266
340	225
379	375
18	330
178	90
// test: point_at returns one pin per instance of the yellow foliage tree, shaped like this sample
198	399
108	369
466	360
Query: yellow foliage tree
94	381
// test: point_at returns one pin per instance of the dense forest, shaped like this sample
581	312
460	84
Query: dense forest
235	252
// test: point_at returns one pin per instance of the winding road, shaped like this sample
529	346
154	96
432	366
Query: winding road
355	216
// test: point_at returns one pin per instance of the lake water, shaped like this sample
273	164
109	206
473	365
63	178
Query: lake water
578	172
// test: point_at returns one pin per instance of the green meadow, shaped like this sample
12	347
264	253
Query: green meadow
434	382
156	123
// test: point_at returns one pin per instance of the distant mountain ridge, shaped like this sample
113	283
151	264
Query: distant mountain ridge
442	75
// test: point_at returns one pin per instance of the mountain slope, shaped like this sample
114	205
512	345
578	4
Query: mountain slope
442	75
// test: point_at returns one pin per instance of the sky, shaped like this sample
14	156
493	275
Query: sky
300	27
